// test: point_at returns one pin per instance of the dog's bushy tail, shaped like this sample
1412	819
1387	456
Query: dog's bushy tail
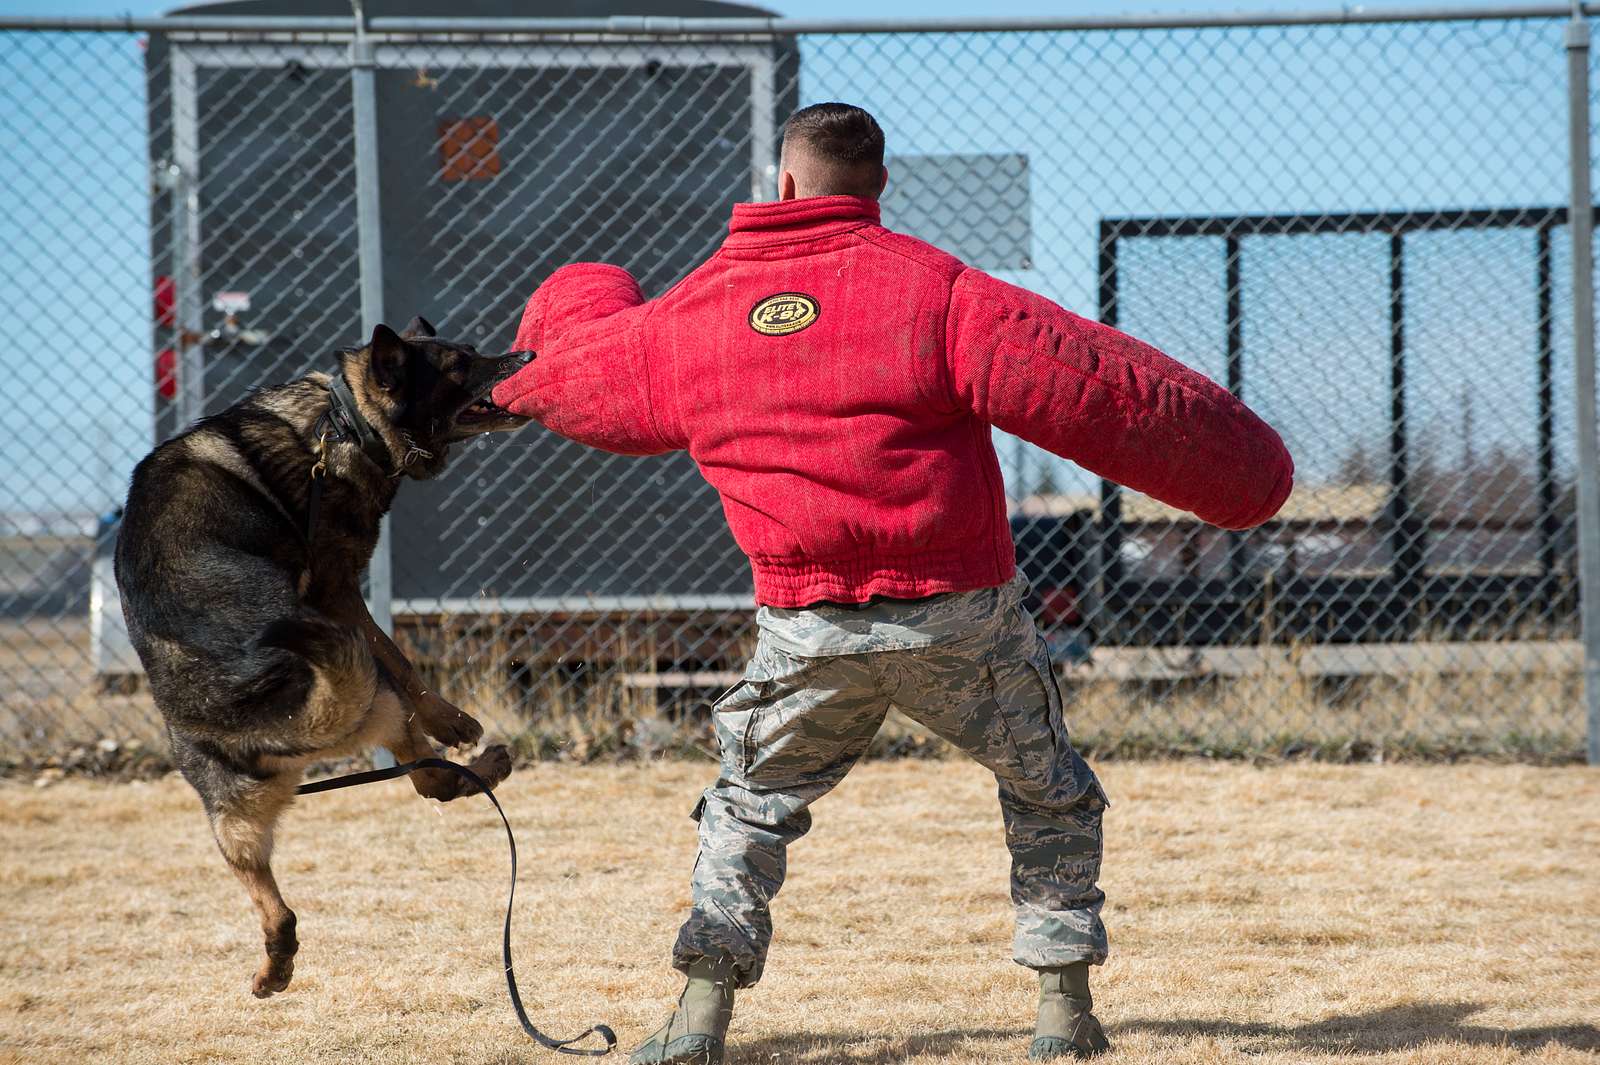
318	639
345	676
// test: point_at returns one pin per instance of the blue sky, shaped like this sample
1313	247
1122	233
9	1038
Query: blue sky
1171	122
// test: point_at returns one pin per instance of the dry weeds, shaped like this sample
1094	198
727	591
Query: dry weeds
49	704
1309	913
1481	709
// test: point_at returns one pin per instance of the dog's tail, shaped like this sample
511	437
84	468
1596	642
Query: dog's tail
345	678
315	637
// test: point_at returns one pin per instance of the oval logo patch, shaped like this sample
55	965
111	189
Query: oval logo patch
787	312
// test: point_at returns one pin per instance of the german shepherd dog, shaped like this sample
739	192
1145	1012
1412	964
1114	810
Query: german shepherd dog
241	589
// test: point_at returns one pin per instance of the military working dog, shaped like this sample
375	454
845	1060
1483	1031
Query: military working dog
240	560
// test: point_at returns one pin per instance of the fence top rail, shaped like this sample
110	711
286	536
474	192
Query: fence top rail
1329	222
663	26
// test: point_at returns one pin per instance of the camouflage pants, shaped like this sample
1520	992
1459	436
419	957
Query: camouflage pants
796	724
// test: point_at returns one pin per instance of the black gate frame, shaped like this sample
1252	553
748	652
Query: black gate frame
1360	608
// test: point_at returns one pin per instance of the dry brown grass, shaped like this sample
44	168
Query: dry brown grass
48	700
1523	716
1304	913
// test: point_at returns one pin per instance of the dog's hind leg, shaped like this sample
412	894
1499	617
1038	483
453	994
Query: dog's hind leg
243	823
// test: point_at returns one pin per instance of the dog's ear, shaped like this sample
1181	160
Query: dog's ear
388	358
419	327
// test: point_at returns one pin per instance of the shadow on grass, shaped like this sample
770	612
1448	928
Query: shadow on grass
860	1048
1395	1028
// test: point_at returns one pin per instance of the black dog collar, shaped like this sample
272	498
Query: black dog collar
345	421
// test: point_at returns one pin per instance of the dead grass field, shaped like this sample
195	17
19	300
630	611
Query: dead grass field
1300	913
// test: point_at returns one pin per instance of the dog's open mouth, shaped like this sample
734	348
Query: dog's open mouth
482	410
483	415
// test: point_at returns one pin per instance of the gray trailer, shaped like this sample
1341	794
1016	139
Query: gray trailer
499	158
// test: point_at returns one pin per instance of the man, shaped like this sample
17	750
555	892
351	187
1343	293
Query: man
836	383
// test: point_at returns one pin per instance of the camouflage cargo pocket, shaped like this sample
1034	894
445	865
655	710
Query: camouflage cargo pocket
733	714
1027	700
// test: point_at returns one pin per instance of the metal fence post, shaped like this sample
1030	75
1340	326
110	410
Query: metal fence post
188	343
1581	215
1549	508
1108	589
1233	282
363	87
1409	553
763	132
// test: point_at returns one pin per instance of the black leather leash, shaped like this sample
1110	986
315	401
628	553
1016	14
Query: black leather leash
371	776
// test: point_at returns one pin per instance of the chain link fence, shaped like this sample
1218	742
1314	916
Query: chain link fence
1359	226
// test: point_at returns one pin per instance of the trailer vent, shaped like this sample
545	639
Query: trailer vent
469	149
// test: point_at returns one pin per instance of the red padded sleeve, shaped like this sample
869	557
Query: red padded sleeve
1114	405
590	378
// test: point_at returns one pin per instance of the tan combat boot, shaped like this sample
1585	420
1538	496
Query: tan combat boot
1066	1028
695	1033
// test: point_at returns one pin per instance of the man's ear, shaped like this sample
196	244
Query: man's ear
883	182
419	327
786	186
388	359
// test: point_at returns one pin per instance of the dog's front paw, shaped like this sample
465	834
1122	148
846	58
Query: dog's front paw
447	723
493	765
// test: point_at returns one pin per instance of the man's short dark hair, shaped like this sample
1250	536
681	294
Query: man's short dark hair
845	137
